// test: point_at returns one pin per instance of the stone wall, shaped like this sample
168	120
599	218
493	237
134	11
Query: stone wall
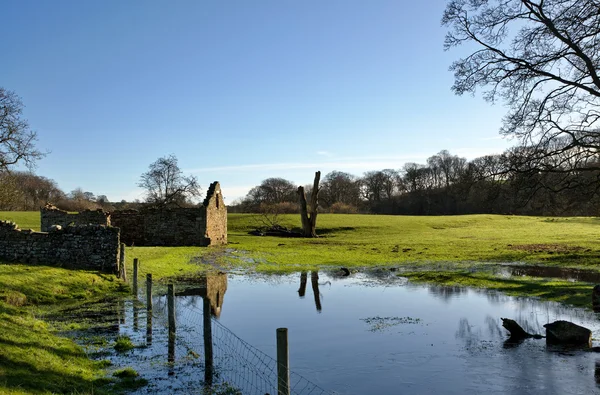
161	227
216	215
197	226
51	215
91	246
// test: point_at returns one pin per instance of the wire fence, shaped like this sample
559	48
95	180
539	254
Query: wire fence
229	363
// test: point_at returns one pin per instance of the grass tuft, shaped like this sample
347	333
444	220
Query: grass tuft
123	344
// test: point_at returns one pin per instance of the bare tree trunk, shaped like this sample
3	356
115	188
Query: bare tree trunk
309	223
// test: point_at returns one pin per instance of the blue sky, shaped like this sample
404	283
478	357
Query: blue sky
239	90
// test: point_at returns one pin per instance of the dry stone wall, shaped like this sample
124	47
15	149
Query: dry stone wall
51	215
91	246
161	227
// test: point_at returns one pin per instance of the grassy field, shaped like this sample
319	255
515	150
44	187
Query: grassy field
366	240
430	249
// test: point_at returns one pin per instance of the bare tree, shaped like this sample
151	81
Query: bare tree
309	222
542	58
166	185
17	140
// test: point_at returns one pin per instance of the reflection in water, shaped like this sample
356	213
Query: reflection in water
148	328
302	289
136	316
457	346
447	293
211	288
556	272
314	281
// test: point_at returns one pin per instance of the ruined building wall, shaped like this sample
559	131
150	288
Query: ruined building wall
91	247
50	215
197	226
216	215
161	227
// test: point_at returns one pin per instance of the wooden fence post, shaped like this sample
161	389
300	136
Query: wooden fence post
149	308
283	362
149	291
208	343
171	308
135	276
122	269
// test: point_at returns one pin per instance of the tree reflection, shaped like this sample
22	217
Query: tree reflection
446	293
314	281
303	280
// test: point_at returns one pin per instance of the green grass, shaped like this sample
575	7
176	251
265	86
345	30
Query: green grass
34	359
123	344
25	219
367	240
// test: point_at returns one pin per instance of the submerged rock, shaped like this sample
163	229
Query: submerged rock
565	332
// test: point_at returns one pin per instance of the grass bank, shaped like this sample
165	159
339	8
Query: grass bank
34	358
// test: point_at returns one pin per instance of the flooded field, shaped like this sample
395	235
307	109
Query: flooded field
363	333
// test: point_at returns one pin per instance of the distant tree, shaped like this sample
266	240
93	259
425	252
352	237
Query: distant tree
38	190
340	187
166	185
542	58
271	191
379	185
17	140
446	168
11	196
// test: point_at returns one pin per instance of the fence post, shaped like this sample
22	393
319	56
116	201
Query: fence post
208	345
149	291
283	362
135	276
122	269
171	308
149	308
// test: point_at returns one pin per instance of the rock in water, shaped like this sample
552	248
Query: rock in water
565	332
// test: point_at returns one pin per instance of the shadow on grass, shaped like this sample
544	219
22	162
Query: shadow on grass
27	377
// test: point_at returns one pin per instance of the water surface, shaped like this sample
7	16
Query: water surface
371	333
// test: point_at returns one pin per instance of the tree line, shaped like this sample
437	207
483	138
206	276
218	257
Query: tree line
445	184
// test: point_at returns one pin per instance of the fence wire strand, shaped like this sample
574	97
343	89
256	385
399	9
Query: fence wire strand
238	366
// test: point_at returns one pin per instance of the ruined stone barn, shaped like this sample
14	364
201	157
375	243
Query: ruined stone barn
205	225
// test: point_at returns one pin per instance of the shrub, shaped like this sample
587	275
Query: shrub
342	208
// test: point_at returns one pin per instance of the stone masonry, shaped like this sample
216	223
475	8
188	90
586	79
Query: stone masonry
198	226
90	246
50	216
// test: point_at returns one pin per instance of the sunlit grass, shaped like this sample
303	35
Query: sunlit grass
34	359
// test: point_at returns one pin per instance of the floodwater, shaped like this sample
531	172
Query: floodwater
368	333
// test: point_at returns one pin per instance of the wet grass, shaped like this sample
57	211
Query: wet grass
123	344
36	359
